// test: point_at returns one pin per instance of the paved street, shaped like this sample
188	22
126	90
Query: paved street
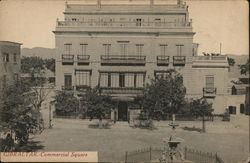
230	141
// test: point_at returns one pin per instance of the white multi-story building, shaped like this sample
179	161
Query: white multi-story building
120	47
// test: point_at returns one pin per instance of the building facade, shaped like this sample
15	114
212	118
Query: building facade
9	64
120	47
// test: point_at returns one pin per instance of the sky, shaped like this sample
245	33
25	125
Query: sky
31	22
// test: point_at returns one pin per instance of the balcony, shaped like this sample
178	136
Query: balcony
68	88
67	59
162	60
82	88
209	92
179	60
122	90
123	24
210	61
123	60
83	59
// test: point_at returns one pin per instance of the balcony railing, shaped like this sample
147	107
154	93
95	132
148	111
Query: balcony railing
123	24
162	60
122	90
123	60
213	58
68	88
209	92
82	88
67	59
179	60
83	59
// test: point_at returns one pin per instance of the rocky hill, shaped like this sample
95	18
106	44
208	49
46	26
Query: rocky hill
38	51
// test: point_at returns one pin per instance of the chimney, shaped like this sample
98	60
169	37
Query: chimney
179	2
66	4
151	3
99	3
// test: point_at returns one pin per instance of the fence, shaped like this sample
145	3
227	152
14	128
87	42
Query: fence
155	153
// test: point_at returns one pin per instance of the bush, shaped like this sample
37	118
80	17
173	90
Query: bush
66	104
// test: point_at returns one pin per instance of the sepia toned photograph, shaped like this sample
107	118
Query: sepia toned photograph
124	81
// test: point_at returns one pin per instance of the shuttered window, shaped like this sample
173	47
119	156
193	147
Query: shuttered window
209	81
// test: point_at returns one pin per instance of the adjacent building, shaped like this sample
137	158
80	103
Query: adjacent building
120	47
9	64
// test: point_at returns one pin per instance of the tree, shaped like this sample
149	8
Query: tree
244	69
201	108
231	61
32	65
50	64
98	105
66	103
18	117
164	95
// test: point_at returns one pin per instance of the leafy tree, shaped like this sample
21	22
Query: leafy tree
231	61
98	105
201	108
244	69
164	95
66	103
32	65
18	118
50	64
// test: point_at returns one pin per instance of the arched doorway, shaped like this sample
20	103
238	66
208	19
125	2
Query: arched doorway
122	111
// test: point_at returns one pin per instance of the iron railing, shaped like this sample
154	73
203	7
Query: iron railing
162	60
155	153
67	88
121	90
179	60
209	92
123	60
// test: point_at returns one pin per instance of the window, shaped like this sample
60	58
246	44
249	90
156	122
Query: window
138	22
121	80
139	49
140	80
67	48
107	49
163	48
6	57
179	49
209	81
68	81
157	22
15	58
83	49
124	49
105	80
73	19
109	80
82	78
129	80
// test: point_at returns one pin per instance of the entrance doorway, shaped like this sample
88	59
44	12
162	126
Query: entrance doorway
122	111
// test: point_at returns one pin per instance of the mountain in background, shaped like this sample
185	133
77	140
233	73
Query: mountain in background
39	52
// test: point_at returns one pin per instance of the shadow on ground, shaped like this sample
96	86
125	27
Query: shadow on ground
192	129
31	146
96	126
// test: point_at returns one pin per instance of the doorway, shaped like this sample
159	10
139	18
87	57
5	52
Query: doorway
122	111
